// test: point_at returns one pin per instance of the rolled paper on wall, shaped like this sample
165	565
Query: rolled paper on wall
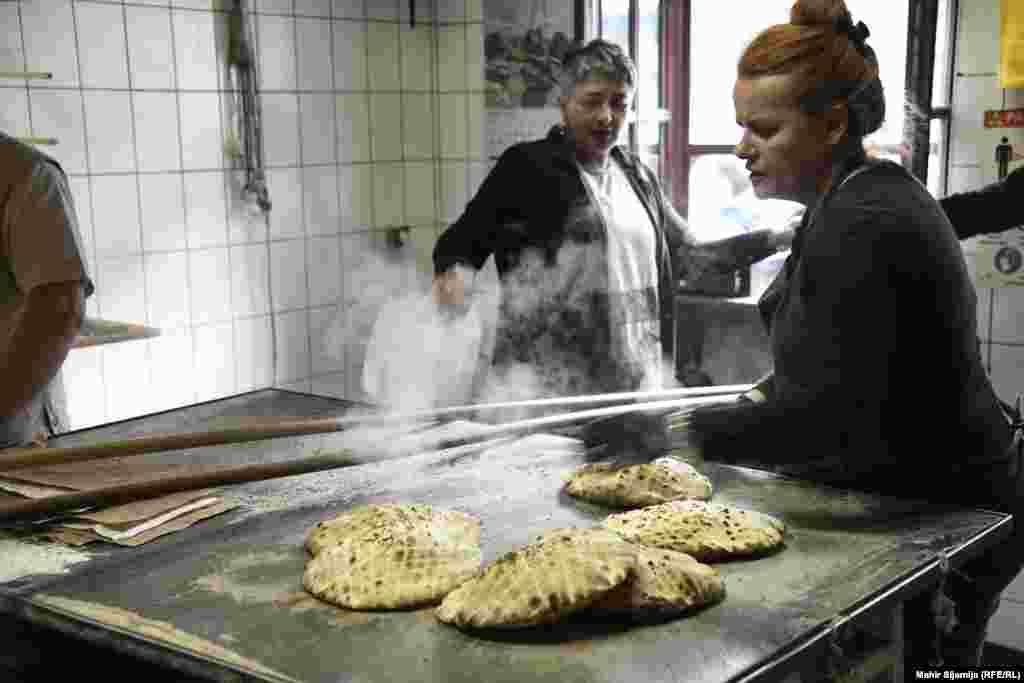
34	75
38	141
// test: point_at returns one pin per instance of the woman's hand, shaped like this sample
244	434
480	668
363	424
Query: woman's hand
449	288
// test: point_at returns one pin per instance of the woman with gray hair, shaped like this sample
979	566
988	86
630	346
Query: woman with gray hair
588	248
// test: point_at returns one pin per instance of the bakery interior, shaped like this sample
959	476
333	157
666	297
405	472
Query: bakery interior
259	186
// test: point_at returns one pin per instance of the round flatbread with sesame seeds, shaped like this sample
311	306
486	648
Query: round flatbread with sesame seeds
641	485
707	531
391	556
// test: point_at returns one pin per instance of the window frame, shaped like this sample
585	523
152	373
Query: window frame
676	154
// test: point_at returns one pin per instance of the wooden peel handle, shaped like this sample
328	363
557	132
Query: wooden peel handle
15	458
125	493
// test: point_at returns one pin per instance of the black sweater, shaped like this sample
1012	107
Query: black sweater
873	332
994	208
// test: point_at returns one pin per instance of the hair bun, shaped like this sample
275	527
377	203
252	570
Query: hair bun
818	12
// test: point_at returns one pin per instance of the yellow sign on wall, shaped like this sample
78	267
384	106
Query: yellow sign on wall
1011	44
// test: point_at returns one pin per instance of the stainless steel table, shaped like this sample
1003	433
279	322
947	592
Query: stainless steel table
223	600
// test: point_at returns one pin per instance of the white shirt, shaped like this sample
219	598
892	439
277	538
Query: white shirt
632	272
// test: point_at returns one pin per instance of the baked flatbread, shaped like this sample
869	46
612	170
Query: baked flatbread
366	518
707	531
391	557
538	584
663	583
641	485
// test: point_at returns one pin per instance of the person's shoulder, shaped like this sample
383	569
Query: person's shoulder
26	167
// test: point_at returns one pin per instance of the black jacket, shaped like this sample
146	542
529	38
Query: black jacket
873	330
533	204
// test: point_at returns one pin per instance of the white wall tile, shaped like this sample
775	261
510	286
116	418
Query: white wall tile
168	290
288	275
451	10
324	270
121	288
210	273
14	111
163	212
108	127
327	354
156	126
474	10
971	141
978	27
214	348
477	171
198	4
364	282
195	49
277	53
418	125
349	55
424	11
201	142
102	48
281	115
11	52
81	195
320	192
386	126
313	8
419	193
474	56
172	369
276	6
452	57
350	9
58	113
388	195
355	185
304	386
315	70
1008	316
246	221
250	283
454	191
963	177
293	358
116	215
82	373
353	127
475	126
285	189
453	128
318	128
1008	371
47	27
384	10
151	60
382	43
254	353
205	210
417	58
333	385
126	380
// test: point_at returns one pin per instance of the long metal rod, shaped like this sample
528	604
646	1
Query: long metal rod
124	493
16	458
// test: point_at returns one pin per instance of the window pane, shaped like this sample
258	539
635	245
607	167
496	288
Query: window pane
936	158
943	58
716	47
615	22
649	86
722	201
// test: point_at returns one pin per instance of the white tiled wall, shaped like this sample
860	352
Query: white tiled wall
972	165
359	108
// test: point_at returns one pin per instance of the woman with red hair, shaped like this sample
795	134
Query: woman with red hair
878	383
